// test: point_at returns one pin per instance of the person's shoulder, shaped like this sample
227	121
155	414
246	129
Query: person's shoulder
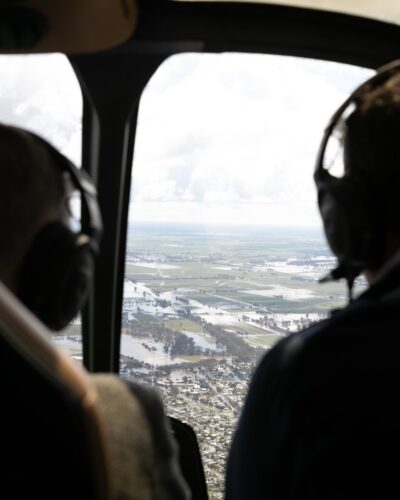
289	348
340	328
349	332
345	329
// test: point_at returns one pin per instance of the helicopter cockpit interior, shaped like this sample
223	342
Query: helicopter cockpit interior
198	122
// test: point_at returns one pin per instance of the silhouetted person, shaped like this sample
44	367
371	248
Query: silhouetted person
48	265
321	418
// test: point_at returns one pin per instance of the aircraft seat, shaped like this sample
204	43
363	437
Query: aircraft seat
53	442
66	433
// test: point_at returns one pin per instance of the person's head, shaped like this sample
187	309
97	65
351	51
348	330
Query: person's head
361	211
372	155
32	193
45	263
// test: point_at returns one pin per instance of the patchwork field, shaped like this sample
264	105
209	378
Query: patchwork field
257	283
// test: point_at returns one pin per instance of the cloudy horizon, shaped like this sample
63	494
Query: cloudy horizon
233	138
221	138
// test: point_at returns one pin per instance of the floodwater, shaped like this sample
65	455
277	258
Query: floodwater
201	341
134	348
154	265
283	292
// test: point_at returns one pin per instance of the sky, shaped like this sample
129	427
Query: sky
232	138
42	94
222	138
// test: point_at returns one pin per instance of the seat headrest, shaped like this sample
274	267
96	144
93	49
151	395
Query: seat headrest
23	334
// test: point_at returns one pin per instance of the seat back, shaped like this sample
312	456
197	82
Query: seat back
52	439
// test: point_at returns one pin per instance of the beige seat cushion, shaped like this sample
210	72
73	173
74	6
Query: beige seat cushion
130	440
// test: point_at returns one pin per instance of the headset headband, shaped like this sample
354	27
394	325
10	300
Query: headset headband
383	74
91	223
353	230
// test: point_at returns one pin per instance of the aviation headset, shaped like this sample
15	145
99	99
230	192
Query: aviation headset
58	269
353	227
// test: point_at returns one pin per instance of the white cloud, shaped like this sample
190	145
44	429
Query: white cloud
221	138
236	135
41	93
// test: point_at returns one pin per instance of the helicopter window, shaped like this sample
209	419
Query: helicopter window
41	93
225	245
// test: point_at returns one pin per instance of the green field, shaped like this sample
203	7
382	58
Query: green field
263	340
184	324
220	265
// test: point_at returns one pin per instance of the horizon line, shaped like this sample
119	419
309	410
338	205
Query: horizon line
232	224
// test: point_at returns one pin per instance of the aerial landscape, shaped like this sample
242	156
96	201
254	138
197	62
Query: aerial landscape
220	138
202	304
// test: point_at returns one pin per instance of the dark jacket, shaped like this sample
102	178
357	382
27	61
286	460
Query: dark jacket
321	418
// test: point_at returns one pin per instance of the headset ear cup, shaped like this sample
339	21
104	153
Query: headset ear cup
348	219
76	285
56	275
335	224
